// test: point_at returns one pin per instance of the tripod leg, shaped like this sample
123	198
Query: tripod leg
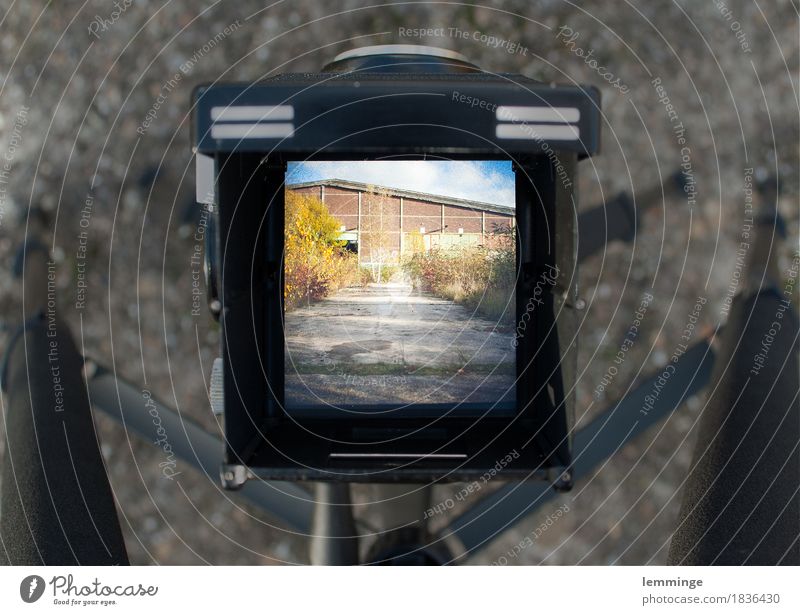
741	504
334	541
400	509
56	505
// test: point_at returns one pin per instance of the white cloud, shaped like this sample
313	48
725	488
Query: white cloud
489	182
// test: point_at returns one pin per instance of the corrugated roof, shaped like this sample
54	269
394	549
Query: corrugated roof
410	194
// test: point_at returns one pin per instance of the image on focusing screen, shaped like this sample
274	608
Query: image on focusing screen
399	284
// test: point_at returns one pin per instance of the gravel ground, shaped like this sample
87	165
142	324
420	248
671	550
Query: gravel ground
94	129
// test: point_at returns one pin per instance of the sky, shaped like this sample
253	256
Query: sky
485	181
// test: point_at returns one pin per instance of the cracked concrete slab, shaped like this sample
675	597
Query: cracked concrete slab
391	344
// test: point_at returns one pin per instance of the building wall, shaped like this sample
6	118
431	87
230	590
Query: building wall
385	235
343	204
462	218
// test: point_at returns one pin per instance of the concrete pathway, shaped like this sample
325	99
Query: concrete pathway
388	344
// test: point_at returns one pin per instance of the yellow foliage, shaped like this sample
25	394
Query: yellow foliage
316	262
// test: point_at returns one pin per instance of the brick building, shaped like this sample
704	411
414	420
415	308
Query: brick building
382	224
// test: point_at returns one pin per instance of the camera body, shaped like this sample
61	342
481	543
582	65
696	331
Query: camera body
392	103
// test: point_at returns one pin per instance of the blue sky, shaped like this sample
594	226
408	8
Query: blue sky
486	181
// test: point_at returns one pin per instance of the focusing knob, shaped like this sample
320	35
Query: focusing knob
217	392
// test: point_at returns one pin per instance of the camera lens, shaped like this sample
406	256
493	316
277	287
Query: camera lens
397	59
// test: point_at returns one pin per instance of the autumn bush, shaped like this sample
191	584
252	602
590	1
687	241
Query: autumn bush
386	273
316	262
478	277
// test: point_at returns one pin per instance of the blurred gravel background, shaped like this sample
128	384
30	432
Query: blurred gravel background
87	94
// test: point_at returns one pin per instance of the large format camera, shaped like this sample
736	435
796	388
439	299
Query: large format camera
373	331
